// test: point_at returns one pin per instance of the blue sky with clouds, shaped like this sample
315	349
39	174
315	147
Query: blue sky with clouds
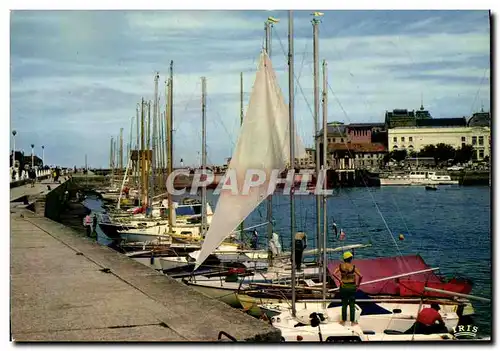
76	76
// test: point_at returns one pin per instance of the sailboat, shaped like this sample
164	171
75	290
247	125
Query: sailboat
295	323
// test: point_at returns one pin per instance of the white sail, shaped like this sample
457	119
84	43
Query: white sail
263	144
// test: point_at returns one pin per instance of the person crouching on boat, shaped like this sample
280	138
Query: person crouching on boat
348	287
300	246
429	321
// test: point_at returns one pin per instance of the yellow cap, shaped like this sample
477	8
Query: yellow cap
347	255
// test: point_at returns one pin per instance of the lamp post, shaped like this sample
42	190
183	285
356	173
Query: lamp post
43	155
14	151
32	156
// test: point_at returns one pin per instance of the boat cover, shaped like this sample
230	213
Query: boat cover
412	285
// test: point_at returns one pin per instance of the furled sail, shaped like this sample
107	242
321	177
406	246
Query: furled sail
264	145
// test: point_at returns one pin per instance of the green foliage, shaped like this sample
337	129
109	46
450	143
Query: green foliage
440	152
464	154
444	152
399	155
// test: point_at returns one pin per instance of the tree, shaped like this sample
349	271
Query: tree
427	151
464	154
399	155
444	152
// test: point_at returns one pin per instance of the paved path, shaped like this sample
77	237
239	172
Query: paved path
39	189
59	292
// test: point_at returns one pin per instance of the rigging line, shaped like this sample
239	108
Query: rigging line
219	121
364	182
185	108
295	77
478	90
400	214
357	210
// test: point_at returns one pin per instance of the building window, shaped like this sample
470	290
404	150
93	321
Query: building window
402	139
329	140
481	140
341	140
481	154
410	139
395	139
463	144
395	147
474	140
463	139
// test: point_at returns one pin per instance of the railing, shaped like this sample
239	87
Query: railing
24	174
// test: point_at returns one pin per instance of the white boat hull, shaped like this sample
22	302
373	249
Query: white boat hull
147	262
332	331
224	294
376	322
172	262
420	182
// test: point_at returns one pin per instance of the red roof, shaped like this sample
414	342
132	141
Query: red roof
357	147
411	285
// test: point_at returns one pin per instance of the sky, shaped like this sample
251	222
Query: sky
76	76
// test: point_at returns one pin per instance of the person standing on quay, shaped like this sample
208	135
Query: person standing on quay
348	286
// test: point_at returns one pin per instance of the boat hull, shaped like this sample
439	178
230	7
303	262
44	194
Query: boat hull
419	182
400	321
226	295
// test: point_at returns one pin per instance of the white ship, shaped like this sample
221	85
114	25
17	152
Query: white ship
418	178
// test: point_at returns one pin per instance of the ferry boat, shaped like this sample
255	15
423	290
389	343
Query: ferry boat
418	178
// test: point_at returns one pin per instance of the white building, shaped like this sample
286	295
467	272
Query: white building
309	161
415	138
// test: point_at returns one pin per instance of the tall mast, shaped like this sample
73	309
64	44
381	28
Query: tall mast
155	133
242	224
162	148
292	147
121	152
148	130
325	168
203	152
170	140
148	154
116	154
143	158
137	161
111	155
129	144
269	215
315	23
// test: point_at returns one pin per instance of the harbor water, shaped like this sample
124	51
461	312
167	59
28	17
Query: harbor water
450	228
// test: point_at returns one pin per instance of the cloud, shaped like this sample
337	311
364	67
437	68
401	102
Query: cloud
76	76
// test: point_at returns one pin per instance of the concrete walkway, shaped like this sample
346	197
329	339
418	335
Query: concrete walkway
40	189
65	287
